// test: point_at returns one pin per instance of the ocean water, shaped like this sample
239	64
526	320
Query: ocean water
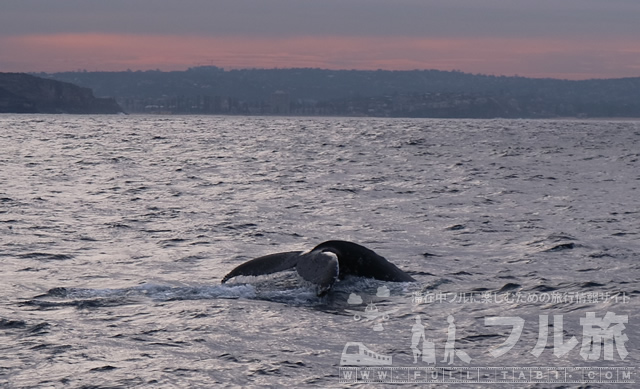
116	230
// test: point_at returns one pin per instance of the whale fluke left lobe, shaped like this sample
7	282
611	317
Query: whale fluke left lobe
267	264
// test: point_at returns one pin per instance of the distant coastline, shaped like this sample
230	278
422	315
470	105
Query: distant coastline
24	93
360	93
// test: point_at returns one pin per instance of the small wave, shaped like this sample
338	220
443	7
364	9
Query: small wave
600	255
45	256
543	288
561	247
553	238
9	324
339	189
510	286
591	284
103	368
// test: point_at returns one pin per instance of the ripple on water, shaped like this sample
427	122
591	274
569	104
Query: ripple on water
115	232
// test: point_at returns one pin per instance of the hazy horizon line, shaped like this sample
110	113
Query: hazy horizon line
229	69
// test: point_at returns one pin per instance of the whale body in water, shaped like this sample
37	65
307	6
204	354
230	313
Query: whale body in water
325	264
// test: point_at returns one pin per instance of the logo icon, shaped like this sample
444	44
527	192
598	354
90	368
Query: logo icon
428	351
357	354
371	311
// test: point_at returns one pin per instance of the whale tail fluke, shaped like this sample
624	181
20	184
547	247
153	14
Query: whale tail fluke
325	264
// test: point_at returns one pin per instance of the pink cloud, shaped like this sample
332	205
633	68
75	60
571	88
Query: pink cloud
573	59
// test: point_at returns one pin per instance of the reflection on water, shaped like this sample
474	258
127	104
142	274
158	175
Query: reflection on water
115	233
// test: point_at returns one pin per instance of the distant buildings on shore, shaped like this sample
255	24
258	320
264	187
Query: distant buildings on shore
280	103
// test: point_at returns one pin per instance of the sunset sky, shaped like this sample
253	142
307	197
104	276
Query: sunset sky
574	39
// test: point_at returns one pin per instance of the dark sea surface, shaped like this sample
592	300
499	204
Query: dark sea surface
116	230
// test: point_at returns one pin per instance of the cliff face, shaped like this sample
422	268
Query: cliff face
23	93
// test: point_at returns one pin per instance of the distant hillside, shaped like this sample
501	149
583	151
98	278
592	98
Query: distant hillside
418	93
23	93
